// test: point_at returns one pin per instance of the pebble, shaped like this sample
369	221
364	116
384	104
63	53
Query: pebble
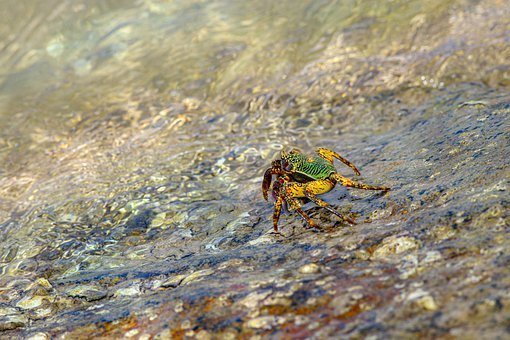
8	322
432	256
253	299
38	336
31	302
310	268
422	299
173	282
395	245
263	322
87	292
196	275
128	291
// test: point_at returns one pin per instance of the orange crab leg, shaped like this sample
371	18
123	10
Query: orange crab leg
277	210
324	204
353	184
275	169
307	218
294	205
329	155
311	190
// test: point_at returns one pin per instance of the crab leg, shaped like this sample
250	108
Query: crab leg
353	184
294	205
277	210
324	204
328	155
307	218
266	182
275	169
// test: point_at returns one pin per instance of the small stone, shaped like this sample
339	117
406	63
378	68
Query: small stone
173	282
186	324
441	233
128	291
87	292
432	256
44	283
427	302
43	312
423	299
179	306
263	322
196	275
31	302
395	245
362	254
310	268
264	239
203	335
132	333
277	301
252	300
9	322
38	336
7	310
342	304
158	220
163	334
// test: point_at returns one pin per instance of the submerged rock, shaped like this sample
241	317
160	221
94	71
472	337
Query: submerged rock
394	245
10	322
87	292
136	211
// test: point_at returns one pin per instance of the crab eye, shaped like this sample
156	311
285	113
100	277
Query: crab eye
287	166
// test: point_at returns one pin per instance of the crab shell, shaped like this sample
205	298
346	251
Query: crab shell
303	168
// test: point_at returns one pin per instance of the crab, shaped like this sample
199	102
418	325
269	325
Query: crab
301	176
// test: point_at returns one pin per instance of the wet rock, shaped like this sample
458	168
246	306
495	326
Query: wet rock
253	299
31	301
132	333
138	223
7	310
39	336
43	312
173	282
158	220
44	283
198	275
264	239
136	211
310	268
423	299
277	301
203	335
264	322
441	233
87	292
133	290
432	256
9	322
394	245
344	303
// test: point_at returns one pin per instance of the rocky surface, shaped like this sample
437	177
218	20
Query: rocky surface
146	220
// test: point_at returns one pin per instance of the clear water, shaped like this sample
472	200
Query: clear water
135	132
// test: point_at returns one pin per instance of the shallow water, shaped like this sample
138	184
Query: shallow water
135	135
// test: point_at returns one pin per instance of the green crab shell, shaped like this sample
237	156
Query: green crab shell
305	168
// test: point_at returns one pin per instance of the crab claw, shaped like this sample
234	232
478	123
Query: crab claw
266	182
